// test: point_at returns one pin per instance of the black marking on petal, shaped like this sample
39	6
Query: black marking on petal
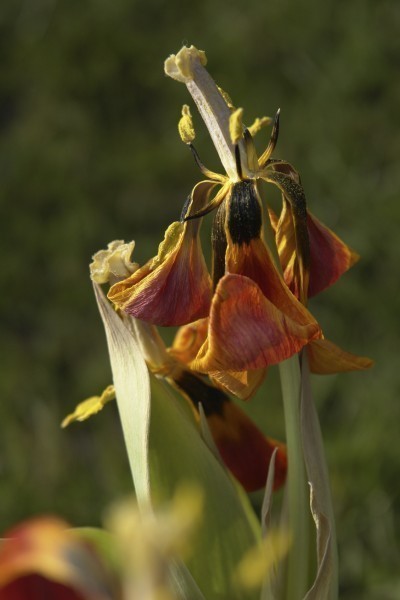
185	208
244	216
200	392
238	162
219	245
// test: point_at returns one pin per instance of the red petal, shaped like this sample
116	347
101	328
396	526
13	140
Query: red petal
173	289
43	558
330	257
326	358
245	450
247	331
35	587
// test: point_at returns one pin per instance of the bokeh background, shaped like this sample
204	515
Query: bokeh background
89	152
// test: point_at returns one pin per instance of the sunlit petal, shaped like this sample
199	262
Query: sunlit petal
247	331
243	384
254	260
188	340
325	357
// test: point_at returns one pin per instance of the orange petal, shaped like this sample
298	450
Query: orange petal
242	384
254	260
42	558
326	358
247	332
188	340
245	450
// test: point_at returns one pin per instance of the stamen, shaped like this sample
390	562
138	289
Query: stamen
272	142
258	124
185	126
203	168
213	204
236	126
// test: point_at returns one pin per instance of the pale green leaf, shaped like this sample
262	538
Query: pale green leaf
165	449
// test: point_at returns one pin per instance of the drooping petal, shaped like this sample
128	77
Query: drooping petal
42	558
187	343
330	257
242	384
293	195
188	340
244	449
247	331
254	260
325	358
174	288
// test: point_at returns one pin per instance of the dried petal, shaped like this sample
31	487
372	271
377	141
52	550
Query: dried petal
325	358
330	257
174	288
246	331
245	450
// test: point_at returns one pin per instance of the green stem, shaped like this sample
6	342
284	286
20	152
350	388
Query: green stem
297	488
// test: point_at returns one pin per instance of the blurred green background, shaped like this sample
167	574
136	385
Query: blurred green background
89	152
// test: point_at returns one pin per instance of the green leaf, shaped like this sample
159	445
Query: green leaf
165	449
229	527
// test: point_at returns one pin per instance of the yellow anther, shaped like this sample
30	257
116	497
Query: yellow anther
226	97
185	126
236	125
90	407
259	124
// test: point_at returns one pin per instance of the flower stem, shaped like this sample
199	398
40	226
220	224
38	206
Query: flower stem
297	488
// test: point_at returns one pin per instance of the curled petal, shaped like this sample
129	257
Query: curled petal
174	288
330	257
247	332
245	450
242	384
325	358
188	340
113	264
187	343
